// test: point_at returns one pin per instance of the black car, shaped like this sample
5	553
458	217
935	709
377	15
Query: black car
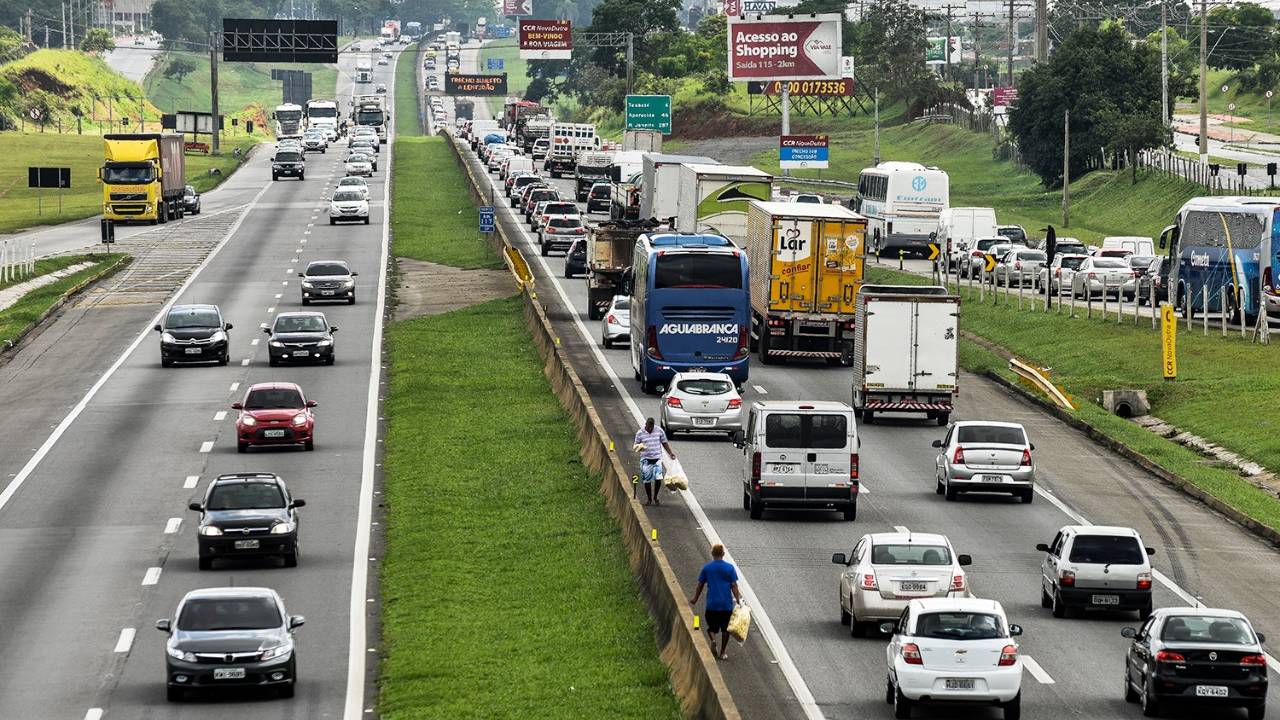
288	163
1157	273
194	333
328	280
247	515
575	260
191	201
598	197
1196	656
230	637
300	336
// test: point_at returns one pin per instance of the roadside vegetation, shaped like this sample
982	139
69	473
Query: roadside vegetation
506	590
63	85
1089	356
408	122
15	319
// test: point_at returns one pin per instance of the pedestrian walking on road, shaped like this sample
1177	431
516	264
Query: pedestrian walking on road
653	440
720	579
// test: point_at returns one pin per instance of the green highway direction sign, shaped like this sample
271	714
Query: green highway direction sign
649	112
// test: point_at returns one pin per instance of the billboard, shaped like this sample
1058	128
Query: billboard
475	84
545	40
1004	96
775	47
288	41
802	151
808	88
935	52
513	8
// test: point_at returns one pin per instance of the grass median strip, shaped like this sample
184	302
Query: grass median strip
432	216
15	319
407	111
1218	379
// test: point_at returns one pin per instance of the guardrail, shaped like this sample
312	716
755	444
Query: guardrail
1041	383
843	184
518	266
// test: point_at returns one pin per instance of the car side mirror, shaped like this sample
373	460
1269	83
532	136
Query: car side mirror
296	621
739	439
311	403
1261	637
1042	547
1015	630
195	507
887	628
1032	446
227	326
164	626
237	406
937	443
302	274
1129	632
964	559
839	559
266	330
1151	552
333	328
157	327
298	502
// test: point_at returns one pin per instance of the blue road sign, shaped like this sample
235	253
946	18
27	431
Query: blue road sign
486	219
493	64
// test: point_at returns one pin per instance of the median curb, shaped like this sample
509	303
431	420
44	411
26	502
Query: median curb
694	675
12	346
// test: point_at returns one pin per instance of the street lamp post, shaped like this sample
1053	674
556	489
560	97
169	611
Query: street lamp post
1269	94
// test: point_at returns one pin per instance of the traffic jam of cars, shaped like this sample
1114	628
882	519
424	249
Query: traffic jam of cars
947	644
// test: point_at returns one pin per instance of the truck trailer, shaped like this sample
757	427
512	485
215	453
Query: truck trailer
143	177
592	167
715	197
660	184
806	263
905	355
567	140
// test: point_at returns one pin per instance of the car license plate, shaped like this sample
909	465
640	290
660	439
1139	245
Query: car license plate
992	478
782	468
326	292
704	422
1211	691
273	433
1105	599
228	673
827	469
192	351
246	544
301	353
959	683
913	586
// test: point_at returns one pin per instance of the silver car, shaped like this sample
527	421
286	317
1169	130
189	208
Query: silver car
615	326
978	255
1019	266
988	457
1104	275
1057	275
701	402
886	571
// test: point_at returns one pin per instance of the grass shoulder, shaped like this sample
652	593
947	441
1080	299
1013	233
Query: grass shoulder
18	318
432	216
408	122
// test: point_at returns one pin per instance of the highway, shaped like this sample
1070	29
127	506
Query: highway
813	668
103	450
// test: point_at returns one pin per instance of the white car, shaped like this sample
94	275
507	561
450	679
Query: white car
348	205
359	165
953	650
368	155
615	326
700	402
382	61
362	132
315	142
354	182
885	571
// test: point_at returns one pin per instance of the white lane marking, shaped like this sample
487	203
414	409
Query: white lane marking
152	576
294	260
21	478
220	416
190	482
206	446
902	529
279	295
759	389
285	283
1030	665
235	386
125	641
288	271
254	341
862	488
269	310
172	526
354	709
93	714
244	362
758	615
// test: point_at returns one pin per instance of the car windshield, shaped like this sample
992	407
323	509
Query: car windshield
704	386
195	318
1110	263
1107	550
991	434
358	158
1032	255
244	496
300	323
327	269
213	614
273	399
959	626
288	157
348	196
1207	629
188	190
127	174
912	554
565	223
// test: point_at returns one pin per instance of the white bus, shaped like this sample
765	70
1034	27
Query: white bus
902	202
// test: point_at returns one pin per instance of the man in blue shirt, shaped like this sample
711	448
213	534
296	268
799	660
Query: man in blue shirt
720	579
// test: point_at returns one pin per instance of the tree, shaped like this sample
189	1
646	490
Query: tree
653	23
1184	66
1100	75
178	68
1132	131
1240	35
889	44
97	40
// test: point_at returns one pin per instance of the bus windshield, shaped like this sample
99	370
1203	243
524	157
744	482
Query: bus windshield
698	271
323	112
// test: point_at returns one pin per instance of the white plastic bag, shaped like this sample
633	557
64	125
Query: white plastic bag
673	475
740	622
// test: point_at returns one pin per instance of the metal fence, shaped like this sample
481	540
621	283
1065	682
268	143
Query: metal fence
1214	177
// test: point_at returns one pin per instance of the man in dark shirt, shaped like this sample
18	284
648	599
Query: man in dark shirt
720	579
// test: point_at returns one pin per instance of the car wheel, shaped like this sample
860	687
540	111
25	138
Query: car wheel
291	558
1150	706
869	416
901	704
606	342
1257	712
851	512
225	359
273	362
332	221
937	485
542	247
1144	612
331	359
305	301
757	508
205	563
175	694
1028	495
274	177
1055	602
1013	708
888	690
366	221
351	300
746	501
164	362
286	691
845	617
948	492
1130	695
309	445
943	419
1045	600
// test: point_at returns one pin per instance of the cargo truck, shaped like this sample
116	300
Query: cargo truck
371	110
715	197
905	354
143	177
609	249
288	119
364	69
624	192
534	129
463	109
806	263
593	167
660	184
567	140
323	115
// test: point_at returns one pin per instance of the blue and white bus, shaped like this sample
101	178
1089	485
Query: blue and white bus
902	202
690	307
1227	246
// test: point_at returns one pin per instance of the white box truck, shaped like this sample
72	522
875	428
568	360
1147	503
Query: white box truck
960	227
905	355
660	184
715	197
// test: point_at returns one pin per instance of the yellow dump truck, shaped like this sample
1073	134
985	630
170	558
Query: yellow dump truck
143	177
806	262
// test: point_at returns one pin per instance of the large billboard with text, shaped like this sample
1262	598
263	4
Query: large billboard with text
776	47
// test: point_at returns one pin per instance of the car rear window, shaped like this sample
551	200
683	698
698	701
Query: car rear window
1140	261
1109	262
991	434
244	496
561	208
1107	550
327	269
1032	255
273	398
902	554
704	386
214	614
1071	263
1207	629
565	223
622	303
959	626
788	430
1013	233
987	243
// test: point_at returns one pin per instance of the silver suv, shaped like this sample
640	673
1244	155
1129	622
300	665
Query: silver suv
988	457
1096	567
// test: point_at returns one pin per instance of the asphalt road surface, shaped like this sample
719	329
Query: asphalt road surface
96	542
812	668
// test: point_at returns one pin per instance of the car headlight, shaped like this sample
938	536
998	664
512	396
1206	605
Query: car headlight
334	208
278	651
283	528
306	283
179	654
210	531
167	338
349	283
219	336
324	343
248	420
300	419
276	343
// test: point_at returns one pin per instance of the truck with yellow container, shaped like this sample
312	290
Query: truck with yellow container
806	263
143	177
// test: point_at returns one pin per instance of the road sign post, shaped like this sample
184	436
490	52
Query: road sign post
1169	341
487	219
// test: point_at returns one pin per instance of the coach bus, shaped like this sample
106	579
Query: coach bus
902	202
690	307
1225	248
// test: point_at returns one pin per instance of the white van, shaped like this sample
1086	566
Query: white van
517	164
799	455
958	227
1135	244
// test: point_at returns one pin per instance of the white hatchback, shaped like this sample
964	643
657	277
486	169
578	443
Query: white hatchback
954	651
886	571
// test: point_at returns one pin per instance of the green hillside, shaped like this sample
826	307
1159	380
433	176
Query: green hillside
63	84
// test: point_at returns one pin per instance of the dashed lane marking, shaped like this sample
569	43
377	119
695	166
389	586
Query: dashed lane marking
206	446
125	641
190	482
172	526
152	576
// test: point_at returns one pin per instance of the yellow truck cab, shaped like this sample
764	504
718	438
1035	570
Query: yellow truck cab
143	177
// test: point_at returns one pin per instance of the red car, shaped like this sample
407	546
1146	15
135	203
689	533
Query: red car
274	414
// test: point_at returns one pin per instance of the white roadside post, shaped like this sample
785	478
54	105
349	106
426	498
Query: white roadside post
1204	295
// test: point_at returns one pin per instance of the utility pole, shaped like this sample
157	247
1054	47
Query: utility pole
64	25
1164	64
1066	168
1012	34
1042	30
977	54
946	53
876	160
213	88
631	61
1204	82
71	22
29	40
